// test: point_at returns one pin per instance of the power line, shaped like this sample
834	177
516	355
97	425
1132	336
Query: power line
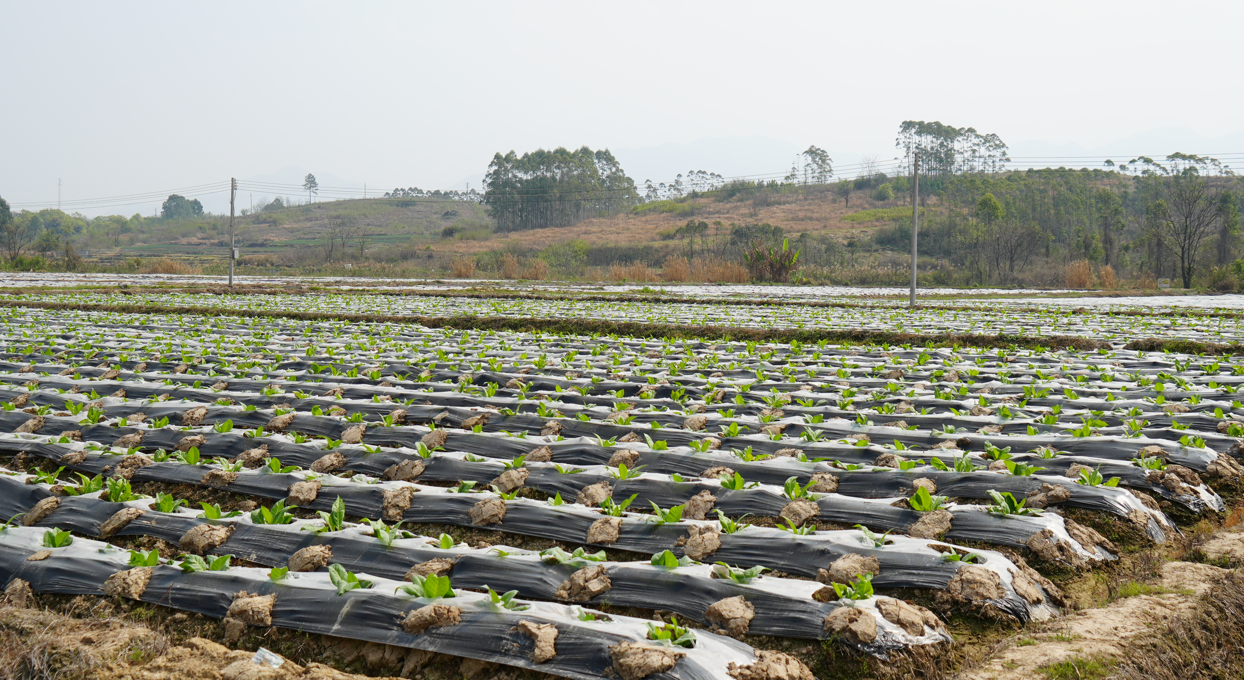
887	166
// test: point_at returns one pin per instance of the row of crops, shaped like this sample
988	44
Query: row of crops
878	316
535	500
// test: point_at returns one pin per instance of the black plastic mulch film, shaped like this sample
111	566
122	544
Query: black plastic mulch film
863	495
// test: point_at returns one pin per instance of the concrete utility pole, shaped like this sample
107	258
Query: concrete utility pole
915	221
233	192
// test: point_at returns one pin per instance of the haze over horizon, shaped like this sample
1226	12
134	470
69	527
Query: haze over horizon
148	97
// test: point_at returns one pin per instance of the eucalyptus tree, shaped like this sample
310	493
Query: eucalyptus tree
1184	204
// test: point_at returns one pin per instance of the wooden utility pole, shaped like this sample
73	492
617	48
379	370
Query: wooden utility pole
915	221
233	192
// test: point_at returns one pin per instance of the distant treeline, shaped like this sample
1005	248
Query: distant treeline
555	188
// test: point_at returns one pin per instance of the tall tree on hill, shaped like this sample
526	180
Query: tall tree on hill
177	207
310	185
946	151
557	188
818	167
1111	220
1185	204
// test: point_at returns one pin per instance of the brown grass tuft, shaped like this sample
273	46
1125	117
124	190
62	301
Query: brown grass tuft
538	270
717	270
676	269
1107	279
165	265
634	271
1079	274
1147	281
463	268
509	266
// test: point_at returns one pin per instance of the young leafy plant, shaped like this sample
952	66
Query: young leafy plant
167	503
345	580
625	473
333	520
871	539
1094	478
277	514
674	514
194	563
923	501
723	570
1006	504
506	600
56	538
673	633
387	534
669	560
139	558
213	511
860	588
616	509
431	587
728	525
559	556
88	485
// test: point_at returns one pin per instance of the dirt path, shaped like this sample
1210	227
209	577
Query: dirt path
1090	642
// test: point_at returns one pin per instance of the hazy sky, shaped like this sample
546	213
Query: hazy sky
130	97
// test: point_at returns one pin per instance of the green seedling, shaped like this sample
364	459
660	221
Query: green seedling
139	558
923	501
345	580
723	570
56	538
729	526
616	509
430	587
167	503
334	520
668	559
277	514
506	600
860	588
1006	504
871	539
672	633
213	511
559	556
674	514
194	563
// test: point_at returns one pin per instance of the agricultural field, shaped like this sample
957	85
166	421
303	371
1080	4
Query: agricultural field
513	486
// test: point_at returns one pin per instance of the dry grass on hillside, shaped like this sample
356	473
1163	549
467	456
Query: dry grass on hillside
817	215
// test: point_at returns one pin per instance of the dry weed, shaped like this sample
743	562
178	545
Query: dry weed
1107	279
463	268
1079	274
165	265
509	266
1147	281
634	271
718	270
676	269
538	270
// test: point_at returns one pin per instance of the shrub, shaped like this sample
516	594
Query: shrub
166	266
463	268
1079	274
676	269
767	263
632	271
718	270
538	270
509	266
1107	279
885	192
